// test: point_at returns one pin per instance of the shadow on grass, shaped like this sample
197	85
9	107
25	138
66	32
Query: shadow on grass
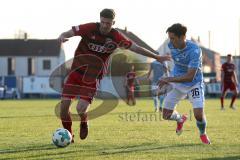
28	148
47	156
32	116
46	152
49	151
223	158
36	151
142	147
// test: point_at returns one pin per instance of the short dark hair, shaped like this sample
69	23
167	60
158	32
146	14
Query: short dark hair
107	13
178	29
229	55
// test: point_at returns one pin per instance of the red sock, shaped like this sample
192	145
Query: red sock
233	100
222	99
83	117
67	122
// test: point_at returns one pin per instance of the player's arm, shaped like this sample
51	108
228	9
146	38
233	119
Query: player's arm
188	77
222	77
235	78
149	72
222	74
236	81
65	35
145	52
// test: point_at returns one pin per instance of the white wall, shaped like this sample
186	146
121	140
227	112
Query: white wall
21	66
3	66
21	70
39	71
36	84
55	62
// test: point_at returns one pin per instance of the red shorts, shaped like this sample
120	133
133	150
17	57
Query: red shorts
80	85
227	86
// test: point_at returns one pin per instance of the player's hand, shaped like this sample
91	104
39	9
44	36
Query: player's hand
163	81
164	58
62	39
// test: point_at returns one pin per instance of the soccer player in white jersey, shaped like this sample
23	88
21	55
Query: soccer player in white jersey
187	80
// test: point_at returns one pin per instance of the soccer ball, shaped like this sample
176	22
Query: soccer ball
61	137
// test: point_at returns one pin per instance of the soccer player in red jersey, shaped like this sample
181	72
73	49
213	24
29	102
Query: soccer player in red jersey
130	85
229	81
90	62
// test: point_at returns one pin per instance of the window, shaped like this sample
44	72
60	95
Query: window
31	66
46	64
11	66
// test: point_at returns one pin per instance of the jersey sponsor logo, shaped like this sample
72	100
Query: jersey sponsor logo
108	47
230	69
96	48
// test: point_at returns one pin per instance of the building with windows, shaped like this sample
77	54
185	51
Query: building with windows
21	59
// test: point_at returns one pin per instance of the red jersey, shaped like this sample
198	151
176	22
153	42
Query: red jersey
228	69
94	49
131	78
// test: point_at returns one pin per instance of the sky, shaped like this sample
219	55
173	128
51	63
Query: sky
148	19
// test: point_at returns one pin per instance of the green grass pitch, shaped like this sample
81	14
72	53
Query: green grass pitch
26	127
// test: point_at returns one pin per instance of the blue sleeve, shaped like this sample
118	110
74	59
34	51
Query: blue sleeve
195	57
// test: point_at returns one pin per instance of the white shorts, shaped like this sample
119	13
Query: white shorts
195	95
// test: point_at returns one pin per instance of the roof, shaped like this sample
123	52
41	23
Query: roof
135	39
210	53
233	56
30	47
